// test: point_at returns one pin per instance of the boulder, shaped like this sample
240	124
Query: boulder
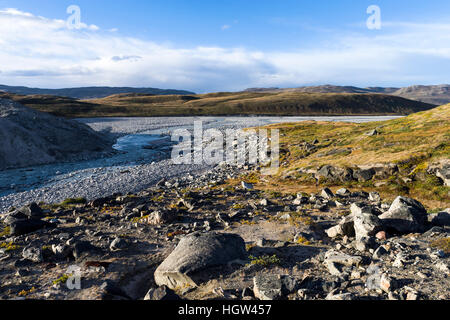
327	193
336	257
32	211
441	219
335	173
363	175
444	174
366	224
196	252
273	286
21	227
118	244
344	228
405	215
33	254
343	192
161	217
161	294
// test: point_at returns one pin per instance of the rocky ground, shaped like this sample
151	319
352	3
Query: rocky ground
204	238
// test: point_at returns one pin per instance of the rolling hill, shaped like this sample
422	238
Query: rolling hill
89	92
285	103
437	94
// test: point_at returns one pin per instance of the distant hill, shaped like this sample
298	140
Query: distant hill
290	103
30	138
437	94
89	92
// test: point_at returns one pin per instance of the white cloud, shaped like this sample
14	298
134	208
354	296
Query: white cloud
42	52
226	27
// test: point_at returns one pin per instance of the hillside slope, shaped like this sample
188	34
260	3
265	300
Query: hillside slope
30	138
241	103
88	92
437	94
401	157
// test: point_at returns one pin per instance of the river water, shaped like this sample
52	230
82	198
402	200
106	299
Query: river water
133	169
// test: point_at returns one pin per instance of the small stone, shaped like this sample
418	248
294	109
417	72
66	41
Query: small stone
327	193
387	284
162	293
380	253
33	254
381	235
247	186
118	244
343	192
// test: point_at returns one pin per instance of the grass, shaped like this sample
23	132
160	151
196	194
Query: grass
412	143
442	244
265	260
73	201
224	103
62	279
9	246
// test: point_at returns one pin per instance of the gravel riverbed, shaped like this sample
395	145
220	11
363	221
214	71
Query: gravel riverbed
132	169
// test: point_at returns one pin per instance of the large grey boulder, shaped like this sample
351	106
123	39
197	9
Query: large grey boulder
196	252
405	215
366	223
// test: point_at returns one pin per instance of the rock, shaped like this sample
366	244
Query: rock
441	219
364	244
344	228
333	268
444	174
381	235
441	266
387	284
327	193
84	248
380	253
340	296
363	175
22	227
32	211
335	174
197	252
374	197
267	287
161	217
162	293
366	224
405	215
118	244
273	286
247	186
332	256
373	132
343	192
33	254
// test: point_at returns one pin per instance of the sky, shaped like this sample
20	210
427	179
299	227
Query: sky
228	45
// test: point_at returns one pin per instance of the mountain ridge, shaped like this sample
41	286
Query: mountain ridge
434	94
86	93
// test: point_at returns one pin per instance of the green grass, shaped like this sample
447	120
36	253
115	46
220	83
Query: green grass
264	260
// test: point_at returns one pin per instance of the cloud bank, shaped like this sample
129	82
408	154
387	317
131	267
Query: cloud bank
37	51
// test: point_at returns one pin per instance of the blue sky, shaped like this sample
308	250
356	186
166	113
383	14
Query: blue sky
224	45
